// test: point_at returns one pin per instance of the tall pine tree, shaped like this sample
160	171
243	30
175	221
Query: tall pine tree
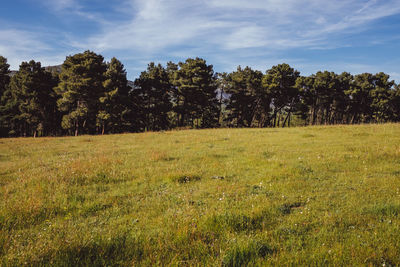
115	103
154	89
195	99
30	101
80	88
4	82
248	102
280	84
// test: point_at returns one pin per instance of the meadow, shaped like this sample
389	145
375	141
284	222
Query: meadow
326	195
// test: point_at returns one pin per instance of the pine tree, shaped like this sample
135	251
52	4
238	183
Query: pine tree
326	85
248	101
154	91
4	75
4	83
359	93
381	96
340	99
115	104
280	84
80	88
306	105
195	99
30	100
395	103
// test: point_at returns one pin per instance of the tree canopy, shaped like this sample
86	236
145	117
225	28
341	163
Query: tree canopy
29	101
153	92
88	95
80	89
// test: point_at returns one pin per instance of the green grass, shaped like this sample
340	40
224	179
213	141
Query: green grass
227	197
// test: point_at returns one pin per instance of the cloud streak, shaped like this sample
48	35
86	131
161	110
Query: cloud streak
235	24
224	30
20	46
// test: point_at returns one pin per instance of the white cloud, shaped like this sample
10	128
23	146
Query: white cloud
395	76
225	30
236	24
20	46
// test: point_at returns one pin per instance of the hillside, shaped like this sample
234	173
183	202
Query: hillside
296	196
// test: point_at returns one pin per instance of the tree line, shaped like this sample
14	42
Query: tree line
90	96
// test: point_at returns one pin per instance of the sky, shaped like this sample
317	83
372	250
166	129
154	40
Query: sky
311	35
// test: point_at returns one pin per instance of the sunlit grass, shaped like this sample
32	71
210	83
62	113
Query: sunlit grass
231	197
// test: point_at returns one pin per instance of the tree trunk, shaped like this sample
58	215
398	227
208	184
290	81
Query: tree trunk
182	120
102	129
328	116
279	119
76	128
312	119
220	109
284	122
352	119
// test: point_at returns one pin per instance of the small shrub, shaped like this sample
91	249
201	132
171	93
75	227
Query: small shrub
245	255
240	222
267	154
118	250
183	179
287	208
384	210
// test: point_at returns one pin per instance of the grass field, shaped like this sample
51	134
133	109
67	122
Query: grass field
299	196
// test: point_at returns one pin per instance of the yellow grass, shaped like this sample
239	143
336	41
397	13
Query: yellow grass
298	196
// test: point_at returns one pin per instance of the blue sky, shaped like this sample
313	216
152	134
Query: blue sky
337	35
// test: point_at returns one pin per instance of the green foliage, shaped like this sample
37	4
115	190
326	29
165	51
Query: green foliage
4	82
279	83
194	97
381	96
249	103
95	97
360	100
114	115
80	88
4	75
395	103
328	98
29	102
153	96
